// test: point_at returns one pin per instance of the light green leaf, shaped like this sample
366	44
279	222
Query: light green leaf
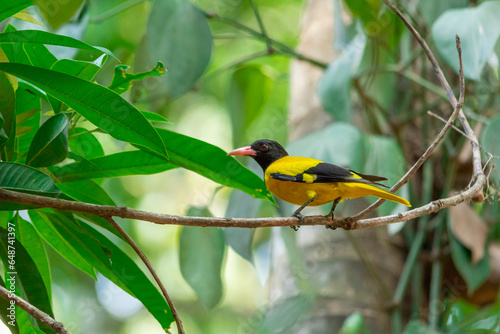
50	143
478	29
431	9
179	36
86	191
201	251
334	88
101	106
85	144
490	141
44	37
154	117
113	165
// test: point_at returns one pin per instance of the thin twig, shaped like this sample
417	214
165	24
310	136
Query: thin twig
146	261
430	113
34	311
261	25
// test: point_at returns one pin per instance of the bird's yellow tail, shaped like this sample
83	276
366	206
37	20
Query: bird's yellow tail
354	190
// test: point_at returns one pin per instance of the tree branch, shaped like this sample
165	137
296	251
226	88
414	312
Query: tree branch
35	312
146	261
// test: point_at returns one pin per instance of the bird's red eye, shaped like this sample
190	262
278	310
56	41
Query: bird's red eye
264	147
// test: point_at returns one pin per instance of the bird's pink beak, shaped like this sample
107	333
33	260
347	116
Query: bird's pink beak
247	150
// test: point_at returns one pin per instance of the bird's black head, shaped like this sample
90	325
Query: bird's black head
264	151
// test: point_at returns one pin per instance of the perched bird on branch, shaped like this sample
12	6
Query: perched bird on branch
310	182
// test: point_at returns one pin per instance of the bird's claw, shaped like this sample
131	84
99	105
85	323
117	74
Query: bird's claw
301	217
331	226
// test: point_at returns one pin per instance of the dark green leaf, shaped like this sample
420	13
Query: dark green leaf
66	246
122	81
50	144
98	104
7	113
59	11
28	115
249	91
12	7
113	165
26	179
27	276
85	144
478	28
473	274
179	36
21	322
86	191
490	139
44	37
201	251
334	88
213	163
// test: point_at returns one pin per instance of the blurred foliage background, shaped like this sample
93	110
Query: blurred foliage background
349	84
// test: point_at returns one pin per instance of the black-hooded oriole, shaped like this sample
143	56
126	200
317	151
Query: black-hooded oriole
306	181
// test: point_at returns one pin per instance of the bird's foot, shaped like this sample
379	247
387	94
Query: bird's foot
301	217
331	226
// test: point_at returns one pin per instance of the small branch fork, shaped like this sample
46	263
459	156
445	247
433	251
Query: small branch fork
356	222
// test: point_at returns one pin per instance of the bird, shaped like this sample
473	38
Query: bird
310	182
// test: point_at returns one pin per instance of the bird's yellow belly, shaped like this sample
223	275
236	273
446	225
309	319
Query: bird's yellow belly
299	193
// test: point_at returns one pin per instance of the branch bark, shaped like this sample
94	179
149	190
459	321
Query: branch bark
35	312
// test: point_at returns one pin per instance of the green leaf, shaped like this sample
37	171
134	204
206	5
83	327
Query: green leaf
354	324
478	28
85	144
7	114
490	139
50	144
213	163
125	272
113	165
27	276
86	191
59	11
21	321
154	117
28	115
249	90
473	274
201	251
432	9
366	10
27	180
45	225
334	88
12	7
418	327
178	35
101	106
44	37
122	81
285	314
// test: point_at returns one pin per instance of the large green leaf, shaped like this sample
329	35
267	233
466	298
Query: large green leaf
113	165
179	36
432	9
473	274
478	28
50	144
11	7
212	162
86	191
57	12
44	37
65	246
201	251
27	276
334	88
490	139
32	242
101	106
